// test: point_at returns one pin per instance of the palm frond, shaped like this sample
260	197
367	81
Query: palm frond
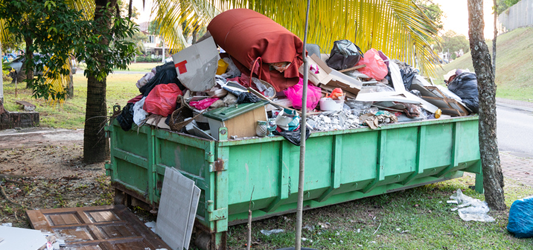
171	14
86	7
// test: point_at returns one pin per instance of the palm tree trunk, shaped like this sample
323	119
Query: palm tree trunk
488	142
95	145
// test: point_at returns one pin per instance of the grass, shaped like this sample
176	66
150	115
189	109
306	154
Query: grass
71	114
417	218
513	67
142	67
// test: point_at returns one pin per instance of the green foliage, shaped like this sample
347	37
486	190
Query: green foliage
153	28
453	42
432	11
138	38
505	4
59	31
148	59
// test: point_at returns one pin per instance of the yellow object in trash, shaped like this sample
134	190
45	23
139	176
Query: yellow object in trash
438	113
222	66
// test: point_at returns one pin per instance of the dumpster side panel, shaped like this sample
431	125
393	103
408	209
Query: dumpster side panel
253	167
359	157
468	141
193	157
131	153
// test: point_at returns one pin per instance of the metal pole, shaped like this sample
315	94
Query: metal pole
303	128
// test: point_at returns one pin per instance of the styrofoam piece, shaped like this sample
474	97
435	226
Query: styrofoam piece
21	238
177	209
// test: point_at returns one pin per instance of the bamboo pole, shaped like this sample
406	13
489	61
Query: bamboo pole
303	128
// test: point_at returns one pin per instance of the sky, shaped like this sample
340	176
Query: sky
455	15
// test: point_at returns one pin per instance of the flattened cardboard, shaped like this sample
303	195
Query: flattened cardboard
197	65
322	76
21	238
346	83
332	78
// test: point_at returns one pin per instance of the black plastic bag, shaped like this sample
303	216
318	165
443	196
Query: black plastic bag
165	74
247	97
465	86
344	54
293	137
125	119
408	75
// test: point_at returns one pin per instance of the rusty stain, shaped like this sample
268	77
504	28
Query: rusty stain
219	165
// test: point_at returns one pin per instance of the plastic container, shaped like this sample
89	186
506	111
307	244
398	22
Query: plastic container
328	104
222	67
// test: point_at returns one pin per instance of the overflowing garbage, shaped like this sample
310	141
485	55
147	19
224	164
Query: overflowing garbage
247	81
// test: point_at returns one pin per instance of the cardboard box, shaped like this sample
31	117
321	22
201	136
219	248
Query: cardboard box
240	120
197	65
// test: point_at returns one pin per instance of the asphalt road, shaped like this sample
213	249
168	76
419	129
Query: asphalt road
515	130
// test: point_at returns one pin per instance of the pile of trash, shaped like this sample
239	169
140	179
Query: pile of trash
238	79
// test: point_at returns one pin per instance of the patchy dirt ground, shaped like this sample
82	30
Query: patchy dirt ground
48	174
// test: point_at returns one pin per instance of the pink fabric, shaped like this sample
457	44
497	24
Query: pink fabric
203	104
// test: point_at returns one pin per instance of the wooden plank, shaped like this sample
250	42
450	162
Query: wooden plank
104	227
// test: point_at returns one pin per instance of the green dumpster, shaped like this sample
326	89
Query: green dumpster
340	166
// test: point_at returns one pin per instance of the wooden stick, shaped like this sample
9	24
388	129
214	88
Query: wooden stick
258	94
249	245
353	68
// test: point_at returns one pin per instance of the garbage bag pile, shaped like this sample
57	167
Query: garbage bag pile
244	79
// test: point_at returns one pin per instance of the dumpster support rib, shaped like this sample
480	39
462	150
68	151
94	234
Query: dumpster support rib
455	151
380	173
421	145
335	169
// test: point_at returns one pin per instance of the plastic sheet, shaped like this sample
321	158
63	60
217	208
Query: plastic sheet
295	93
232	70
521	218
344	54
375	66
139	114
471	209
125	119
465	86
166	73
162	99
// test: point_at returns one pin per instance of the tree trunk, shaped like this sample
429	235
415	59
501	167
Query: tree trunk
70	88
494	40
488	143
29	56
1	81
95	145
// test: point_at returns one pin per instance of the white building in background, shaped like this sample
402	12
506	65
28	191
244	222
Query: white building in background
152	46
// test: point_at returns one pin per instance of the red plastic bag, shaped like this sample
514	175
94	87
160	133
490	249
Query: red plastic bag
162	99
375	66
295	93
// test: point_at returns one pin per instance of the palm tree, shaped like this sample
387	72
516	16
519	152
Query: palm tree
399	28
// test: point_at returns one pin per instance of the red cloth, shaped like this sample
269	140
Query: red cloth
247	35
136	99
